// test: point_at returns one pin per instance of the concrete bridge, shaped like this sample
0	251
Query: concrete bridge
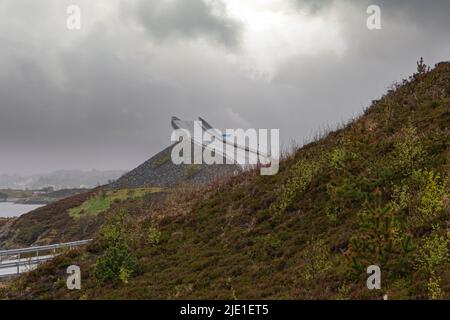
17	261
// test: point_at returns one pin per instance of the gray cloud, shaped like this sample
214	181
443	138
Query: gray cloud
192	19
314	6
340	85
103	97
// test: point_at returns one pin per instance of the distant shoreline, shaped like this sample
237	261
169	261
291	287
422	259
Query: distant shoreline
28	201
37	197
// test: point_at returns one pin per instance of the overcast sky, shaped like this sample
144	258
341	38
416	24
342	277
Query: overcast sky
102	97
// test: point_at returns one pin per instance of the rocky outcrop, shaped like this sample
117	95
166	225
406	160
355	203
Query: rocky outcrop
160	171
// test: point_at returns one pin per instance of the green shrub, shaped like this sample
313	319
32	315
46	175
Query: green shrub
350	192
421	196
433	252
125	274
153	236
422	68
431	196
339	156
380	238
401	197
117	261
434	287
409	153
317	260
303	173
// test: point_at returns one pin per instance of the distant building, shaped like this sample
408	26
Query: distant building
48	189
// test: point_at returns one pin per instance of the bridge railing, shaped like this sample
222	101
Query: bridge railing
31	256
46	247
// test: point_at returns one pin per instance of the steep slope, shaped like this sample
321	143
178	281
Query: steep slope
375	192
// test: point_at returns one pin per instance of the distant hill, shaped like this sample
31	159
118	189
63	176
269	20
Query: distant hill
62	179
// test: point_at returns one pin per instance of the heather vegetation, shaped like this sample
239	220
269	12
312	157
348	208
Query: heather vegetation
374	192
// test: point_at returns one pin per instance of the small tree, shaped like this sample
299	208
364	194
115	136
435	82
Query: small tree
118	260
380	239
422	67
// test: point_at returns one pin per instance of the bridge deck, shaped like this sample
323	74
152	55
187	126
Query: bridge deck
13	261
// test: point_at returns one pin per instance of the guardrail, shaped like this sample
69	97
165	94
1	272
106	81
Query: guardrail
15	258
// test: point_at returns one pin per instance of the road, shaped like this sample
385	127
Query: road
9	267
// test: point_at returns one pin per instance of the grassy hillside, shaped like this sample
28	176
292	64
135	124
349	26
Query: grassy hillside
74	218
375	192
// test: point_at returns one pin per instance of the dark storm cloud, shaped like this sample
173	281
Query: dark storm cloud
191	19
103	97
315	6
